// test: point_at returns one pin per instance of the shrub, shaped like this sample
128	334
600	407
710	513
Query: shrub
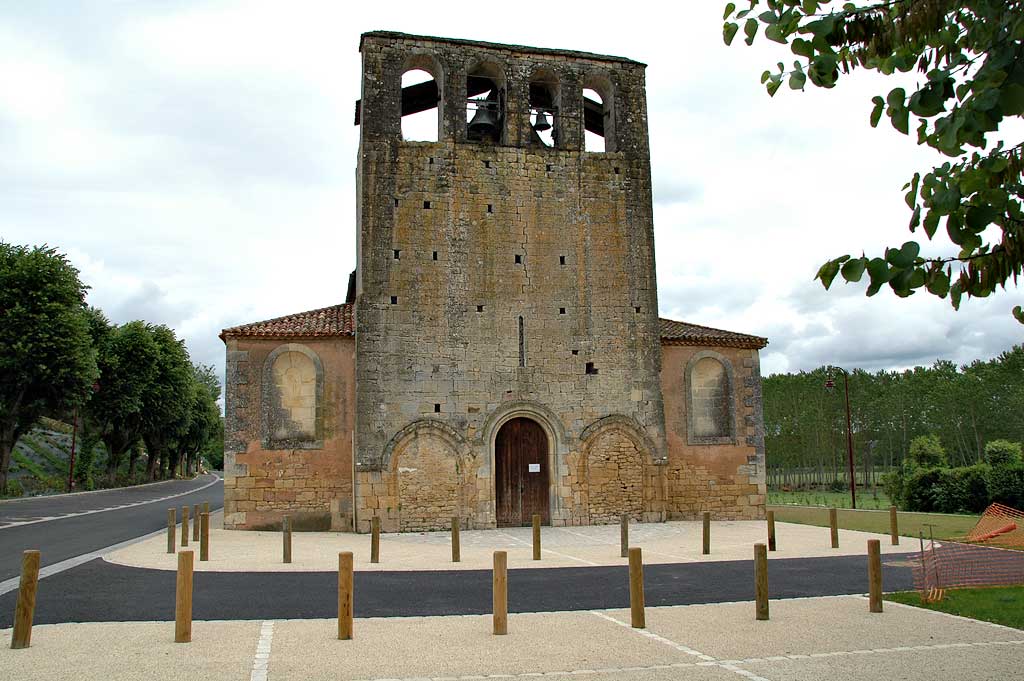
1003	453
919	489
14	488
926	451
1006	485
962	490
893	485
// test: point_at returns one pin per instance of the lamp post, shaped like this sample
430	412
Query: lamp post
829	384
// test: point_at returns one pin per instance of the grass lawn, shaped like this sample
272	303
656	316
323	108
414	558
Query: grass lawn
946	526
876	500
1002	605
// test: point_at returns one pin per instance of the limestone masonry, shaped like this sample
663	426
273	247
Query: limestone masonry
500	353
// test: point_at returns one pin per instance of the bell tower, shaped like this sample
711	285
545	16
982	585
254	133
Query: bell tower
504	271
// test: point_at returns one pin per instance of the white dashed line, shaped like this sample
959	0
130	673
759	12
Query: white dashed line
261	660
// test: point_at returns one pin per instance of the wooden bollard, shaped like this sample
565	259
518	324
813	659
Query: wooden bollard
172	522
636	589
771	530
456	552
375	539
286	537
624	536
183	599
499	592
345	596
536	536
184	526
195	523
26	607
707	533
204	537
206	507
833	522
874	575
894	527
761	581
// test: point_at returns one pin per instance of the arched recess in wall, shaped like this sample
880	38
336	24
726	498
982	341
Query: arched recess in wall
710	400
598	113
292	398
422	85
485	103
433	479
545	117
615	454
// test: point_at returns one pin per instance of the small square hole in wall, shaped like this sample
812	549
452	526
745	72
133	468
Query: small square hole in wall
396	203
549	167
479	308
591	369
431	160
575	352
636	309
426	204
435	255
437	408
561	260
394	300
617	171
519	259
487	164
561	310
490	207
398	254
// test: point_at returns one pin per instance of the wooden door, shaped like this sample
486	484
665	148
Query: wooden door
521	473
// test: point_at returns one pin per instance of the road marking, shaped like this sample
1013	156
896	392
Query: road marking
261	661
11	584
20	523
543	550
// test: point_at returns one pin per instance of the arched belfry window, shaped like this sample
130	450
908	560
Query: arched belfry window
421	119
710	400
544	113
485	103
598	114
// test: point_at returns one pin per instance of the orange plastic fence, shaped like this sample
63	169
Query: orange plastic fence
989	560
1001	526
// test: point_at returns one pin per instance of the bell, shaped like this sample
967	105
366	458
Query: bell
484	124
542	123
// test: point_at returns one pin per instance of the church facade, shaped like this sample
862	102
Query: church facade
500	353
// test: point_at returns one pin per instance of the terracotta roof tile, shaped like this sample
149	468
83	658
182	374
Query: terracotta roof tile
335	320
683	333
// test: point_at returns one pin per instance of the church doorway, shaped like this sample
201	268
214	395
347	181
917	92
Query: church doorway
521	473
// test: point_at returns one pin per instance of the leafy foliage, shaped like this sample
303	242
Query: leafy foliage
1003	453
48	362
971	57
926	451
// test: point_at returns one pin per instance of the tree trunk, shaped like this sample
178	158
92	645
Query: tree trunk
6	447
154	458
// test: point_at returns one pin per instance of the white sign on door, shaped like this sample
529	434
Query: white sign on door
534	468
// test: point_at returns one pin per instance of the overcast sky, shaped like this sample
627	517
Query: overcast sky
195	160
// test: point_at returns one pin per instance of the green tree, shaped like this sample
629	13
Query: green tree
971	55
167	403
926	451
204	416
47	362
128	369
1003	453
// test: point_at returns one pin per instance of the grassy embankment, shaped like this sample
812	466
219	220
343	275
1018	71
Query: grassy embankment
1002	605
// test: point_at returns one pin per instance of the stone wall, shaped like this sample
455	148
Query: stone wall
289	408
498	273
724	475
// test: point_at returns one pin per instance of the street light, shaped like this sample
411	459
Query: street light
829	384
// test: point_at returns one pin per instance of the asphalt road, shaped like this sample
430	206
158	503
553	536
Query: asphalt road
50	524
101	591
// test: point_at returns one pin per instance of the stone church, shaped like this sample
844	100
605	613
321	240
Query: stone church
499	353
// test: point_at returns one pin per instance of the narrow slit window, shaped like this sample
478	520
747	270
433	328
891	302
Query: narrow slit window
479	308
437	408
591	369
561	260
561	310
426	204
522	344
398	254
394	300
519	259
490	207
435	255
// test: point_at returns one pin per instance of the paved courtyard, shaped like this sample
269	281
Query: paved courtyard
806	639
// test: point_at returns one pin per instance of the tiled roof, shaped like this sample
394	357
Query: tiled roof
682	333
335	320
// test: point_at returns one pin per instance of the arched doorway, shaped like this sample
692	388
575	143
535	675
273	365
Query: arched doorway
521	473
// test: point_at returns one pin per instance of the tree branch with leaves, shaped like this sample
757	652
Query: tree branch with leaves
970	54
